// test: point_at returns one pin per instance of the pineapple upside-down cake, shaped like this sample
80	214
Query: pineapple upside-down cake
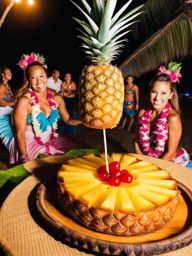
135	197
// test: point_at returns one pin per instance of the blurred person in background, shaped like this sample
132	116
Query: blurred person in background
69	93
131	102
7	102
54	82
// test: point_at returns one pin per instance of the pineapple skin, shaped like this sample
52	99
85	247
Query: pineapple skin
101	96
117	223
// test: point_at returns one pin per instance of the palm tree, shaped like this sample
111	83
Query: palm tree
166	31
6	11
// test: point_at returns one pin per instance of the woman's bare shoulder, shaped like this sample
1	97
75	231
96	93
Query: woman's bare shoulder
24	99
141	112
63	83
58	97
135	87
2	86
174	116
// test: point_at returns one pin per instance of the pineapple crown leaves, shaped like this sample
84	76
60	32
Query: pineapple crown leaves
101	29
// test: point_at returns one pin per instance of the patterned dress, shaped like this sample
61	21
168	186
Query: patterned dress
50	143
6	130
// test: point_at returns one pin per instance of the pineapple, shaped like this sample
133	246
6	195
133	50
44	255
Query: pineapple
144	205
101	91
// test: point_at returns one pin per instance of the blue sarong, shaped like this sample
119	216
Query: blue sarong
129	112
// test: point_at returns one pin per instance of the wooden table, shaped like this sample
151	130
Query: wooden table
21	235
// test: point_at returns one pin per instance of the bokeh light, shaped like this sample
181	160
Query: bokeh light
30	2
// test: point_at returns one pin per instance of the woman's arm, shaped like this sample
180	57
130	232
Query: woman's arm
137	147
64	113
62	92
175	131
136	97
3	102
74	88
20	119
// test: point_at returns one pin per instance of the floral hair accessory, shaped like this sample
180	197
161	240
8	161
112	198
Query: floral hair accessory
27	59
173	70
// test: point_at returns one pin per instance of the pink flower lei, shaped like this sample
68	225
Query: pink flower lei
153	142
36	110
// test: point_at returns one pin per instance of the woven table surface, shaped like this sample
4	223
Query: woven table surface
21	234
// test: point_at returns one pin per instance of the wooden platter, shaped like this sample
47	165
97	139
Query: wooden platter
176	234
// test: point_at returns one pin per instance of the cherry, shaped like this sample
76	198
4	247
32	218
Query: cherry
126	177
115	173
114	170
115	176
114	181
103	174
101	169
114	166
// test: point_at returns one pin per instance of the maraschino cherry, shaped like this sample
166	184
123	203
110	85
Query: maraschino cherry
115	175
126	177
103	174
114	170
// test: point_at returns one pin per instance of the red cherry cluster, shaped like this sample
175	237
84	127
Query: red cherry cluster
115	175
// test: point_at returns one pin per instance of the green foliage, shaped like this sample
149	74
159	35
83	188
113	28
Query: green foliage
173	41
78	152
15	174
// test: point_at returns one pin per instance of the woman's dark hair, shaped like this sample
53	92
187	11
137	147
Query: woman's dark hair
131	77
2	71
25	86
175	98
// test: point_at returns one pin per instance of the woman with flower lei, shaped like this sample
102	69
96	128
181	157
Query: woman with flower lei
7	103
159	126
37	112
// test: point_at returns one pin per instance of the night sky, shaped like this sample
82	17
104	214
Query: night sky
48	28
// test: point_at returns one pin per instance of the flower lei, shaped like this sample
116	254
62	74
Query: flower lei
173	70
27	59
36	114
154	144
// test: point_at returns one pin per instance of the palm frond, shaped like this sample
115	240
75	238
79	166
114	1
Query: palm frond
174	41
156	15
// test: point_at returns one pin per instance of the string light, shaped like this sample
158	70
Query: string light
30	2
8	8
